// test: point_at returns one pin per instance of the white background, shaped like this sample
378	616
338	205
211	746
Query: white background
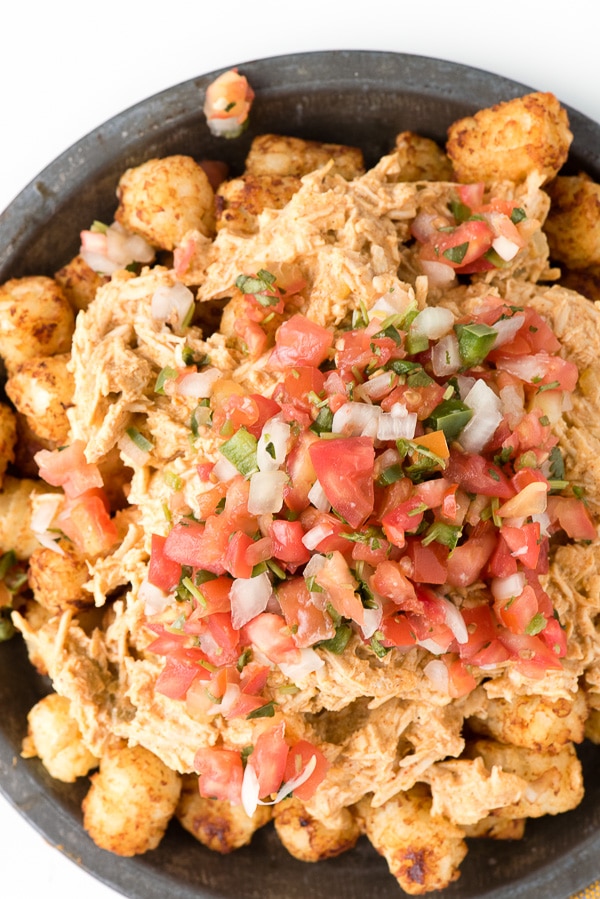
66	67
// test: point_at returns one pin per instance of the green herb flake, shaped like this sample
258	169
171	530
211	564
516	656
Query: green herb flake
337	644
518	215
536	625
264	711
140	441
164	375
456	254
240	450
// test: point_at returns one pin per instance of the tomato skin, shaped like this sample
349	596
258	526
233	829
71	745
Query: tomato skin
523	543
475	474
183	544
344	467
460	680
389	580
300	341
163	572
572	516
68	468
286	537
236	560
502	563
86	521
298	757
430	563
176	678
397	631
476	233
298	384
468	560
270	633
309	623
517	612
406	516
530	654
482	628
216	599
339	584
220	774
269	758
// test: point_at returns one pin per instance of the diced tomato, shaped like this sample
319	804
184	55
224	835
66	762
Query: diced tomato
176	678
220	774
253	336
502	563
209	500
540	369
269	758
406	516
299	756
85	520
397	631
271	635
308	622
300	341
332	529
286	538
430	563
555	637
259	551
471	194
372	550
235	560
462	246
572	516
476	474
163	572
215	593
254	678
184	544
68	468
298	385
339	584
344	467
267	408
523	542
389	580
460	680
530	654
357	350
517	612
467	561
482	628
421	400
221	642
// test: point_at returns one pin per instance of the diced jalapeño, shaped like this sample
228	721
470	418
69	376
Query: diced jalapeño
450	417
475	340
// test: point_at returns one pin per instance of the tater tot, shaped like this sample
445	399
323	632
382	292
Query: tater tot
240	200
57	579
8	438
79	282
421	159
219	825
15	515
511	140
42	390
131	801
423	852
573	223
272	154
54	737
36	319
309	839
163	199
534	722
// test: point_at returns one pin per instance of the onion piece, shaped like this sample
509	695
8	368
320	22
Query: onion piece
132	451
314	536
487	415
172	304
249	597
376	387
198	384
506	328
352	419
224	470
250	790
314	565
437	673
445	356
272	445
155	600
455	620
309	661
432	322
505	248
438	274
504	587
371	621
397	423
317	497
266	492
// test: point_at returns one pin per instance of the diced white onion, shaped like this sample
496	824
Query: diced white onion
504	587
376	387
543	519
266	492
352	419
155	600
505	248
465	384
132	451
123	247
506	328
98	263
397	423
199	384
431	646
275	435
48	541
486	417
45	507
314	565
317	497
513	407
315	535
224	470
432	322
371	621
250	790
249	597
445	356
455	620
437	673
438	274
171	304
309	661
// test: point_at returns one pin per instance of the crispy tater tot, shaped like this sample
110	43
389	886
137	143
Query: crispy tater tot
8	438
534	722
42	391
219	825
163	199
131	801
421	159
423	852
36	319
273	154
573	223
54	737
493	828
307	838
240	200
15	515
57	579
511	140
79	282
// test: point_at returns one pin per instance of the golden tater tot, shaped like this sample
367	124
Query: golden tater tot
54	737
131	801
36	319
163	199
57	579
8	438
240	200
421	159
511	140
79	282
219	825
492	828
272	154
423	852
15	515
42	391
534	722
307	838
573	223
